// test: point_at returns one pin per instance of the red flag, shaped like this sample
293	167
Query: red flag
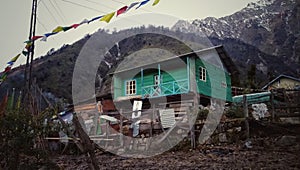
3	104
35	38
122	10
7	69
75	25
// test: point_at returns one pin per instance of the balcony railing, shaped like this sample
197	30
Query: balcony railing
165	89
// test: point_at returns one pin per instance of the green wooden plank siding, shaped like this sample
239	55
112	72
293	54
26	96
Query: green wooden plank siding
217	84
118	86
169	75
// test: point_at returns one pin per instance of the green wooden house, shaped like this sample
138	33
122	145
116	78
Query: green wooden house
207	72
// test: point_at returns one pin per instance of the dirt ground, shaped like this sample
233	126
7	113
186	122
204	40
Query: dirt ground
217	157
272	147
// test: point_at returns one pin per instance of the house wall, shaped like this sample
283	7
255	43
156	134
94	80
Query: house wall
169	74
284	83
217	84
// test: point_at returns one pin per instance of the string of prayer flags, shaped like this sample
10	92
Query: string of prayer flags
142	3
122	10
108	17
155	2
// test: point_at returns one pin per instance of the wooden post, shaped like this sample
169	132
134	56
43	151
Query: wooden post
152	116
121	128
193	86
246	115
272	106
191	113
87	144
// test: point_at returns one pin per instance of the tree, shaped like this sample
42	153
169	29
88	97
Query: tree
251	77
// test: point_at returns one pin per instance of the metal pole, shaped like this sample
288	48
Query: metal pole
32	47
30	51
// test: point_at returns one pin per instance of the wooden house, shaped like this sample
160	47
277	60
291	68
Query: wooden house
169	89
206	72
283	82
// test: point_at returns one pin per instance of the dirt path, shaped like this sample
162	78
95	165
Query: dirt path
213	157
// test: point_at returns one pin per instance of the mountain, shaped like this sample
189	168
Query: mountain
270	26
54	72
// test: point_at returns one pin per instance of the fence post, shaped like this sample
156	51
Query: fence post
246	115
272	106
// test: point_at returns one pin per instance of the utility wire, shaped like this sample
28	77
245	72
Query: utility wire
57	12
74	3
50	12
126	4
98	3
41	24
59	9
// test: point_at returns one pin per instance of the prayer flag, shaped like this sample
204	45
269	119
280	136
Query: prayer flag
142	3
132	5
35	38
66	28
15	58
75	26
28	45
122	10
28	41
48	35
107	17
57	29
3	103
94	19
7	69
25	53
155	2
85	21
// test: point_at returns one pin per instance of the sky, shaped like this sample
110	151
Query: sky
15	19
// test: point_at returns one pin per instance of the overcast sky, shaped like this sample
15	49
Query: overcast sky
15	19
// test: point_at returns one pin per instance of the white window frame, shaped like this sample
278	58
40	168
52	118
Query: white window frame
130	87
156	80
202	74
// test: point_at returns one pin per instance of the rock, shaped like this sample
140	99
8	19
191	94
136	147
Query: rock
287	141
222	137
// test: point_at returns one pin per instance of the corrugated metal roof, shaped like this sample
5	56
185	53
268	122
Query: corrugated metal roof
279	77
253	98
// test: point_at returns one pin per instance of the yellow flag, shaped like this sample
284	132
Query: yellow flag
155	2
15	58
58	29
107	17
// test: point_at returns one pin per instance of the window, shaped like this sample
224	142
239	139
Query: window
202	73
156	79
130	87
224	84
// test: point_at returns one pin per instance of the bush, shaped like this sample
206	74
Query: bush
234	112
18	132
